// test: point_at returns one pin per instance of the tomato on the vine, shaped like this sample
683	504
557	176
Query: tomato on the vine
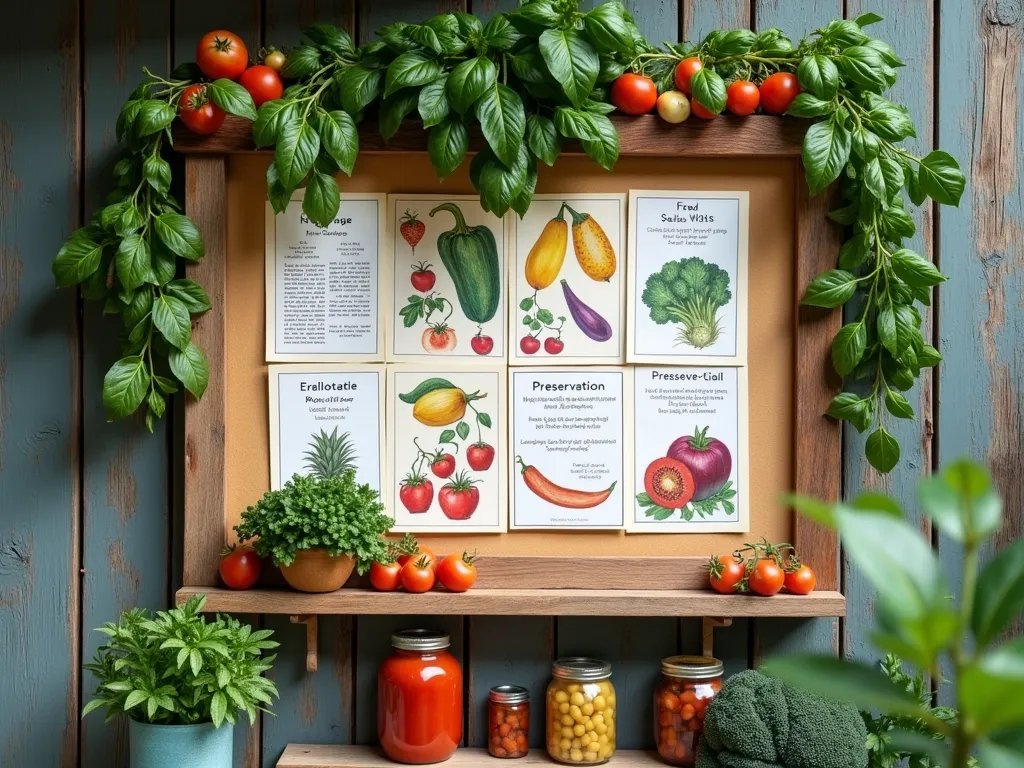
800	581
457	574
197	112
418	575
222	54
778	92
742	97
766	578
263	84
239	567
421	552
685	71
634	94
725	572
673	106
386	577
701	111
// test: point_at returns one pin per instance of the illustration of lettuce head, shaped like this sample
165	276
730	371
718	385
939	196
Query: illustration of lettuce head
689	292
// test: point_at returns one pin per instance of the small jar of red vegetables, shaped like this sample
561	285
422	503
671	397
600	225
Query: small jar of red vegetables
686	687
508	720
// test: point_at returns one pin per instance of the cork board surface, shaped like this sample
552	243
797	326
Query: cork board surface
771	313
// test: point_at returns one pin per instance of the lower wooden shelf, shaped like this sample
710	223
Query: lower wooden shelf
330	756
519	602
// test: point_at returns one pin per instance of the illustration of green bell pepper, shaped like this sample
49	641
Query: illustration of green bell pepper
471	257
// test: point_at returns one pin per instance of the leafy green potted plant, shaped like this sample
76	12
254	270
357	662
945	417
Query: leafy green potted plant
181	680
318	530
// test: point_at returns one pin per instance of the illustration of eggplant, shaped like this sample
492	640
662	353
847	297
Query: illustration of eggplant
588	320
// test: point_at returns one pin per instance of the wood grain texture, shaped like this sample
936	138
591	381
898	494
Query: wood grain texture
206	203
699	17
329	756
285	19
759	136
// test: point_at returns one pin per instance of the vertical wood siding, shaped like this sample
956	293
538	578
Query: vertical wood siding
78	493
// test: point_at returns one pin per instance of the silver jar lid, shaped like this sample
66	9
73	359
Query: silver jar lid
581	668
420	640
509	694
692	667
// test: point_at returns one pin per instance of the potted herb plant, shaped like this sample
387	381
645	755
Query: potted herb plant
318	529
181	680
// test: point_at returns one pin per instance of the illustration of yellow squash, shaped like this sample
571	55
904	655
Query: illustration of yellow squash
593	250
437	402
546	257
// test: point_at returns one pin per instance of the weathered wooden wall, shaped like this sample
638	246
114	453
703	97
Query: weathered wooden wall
87	521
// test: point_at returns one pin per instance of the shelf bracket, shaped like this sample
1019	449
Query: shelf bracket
708	624
312	653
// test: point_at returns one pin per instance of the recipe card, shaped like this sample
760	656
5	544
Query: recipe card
569	291
446	442
568	463
326	420
323	285
687	278
690	454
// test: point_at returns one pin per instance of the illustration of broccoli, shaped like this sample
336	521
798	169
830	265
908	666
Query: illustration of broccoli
689	292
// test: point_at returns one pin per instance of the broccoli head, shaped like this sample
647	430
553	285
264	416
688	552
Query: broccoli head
758	722
689	292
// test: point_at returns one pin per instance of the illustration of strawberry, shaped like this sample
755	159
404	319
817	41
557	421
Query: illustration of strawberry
412	229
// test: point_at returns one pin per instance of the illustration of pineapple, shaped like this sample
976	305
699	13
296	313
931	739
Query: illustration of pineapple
330	455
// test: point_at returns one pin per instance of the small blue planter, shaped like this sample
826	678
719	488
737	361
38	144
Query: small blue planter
180	746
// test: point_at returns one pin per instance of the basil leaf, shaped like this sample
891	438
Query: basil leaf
163	263
158	406
849	407
605	150
529	66
191	368
830	289
503	121
863	65
153	117
867	18
190	293
825	152
499	34
129	222
410	69
848	347
914	269
394	35
896	223
269	119
499	185
521	203
470	25
425	36
882	450
886	327
468	81
819	75
888	120
277	193
873	181
180	235
898	405
157	173
708	89
302	61
339	138
78	258
171	318
447	145
542	13
132	262
575	124
607	29
393	111
232	98
138	308
928	356
941	178
125	125
433	103
542	138
329	36
297	147
808	105
906	328
572	62
854	251
322	199
357	87
125	386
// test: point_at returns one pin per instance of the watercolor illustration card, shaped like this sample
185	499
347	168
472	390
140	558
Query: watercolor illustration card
569	460
687	269
324	299
326	420
446	442
690	455
568	303
446	282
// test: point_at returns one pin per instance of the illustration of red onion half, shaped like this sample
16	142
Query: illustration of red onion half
707	458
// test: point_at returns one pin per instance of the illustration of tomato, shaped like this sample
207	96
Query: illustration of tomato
412	230
459	498
481	344
529	344
553	346
480	456
416	493
422	278
443	464
438	339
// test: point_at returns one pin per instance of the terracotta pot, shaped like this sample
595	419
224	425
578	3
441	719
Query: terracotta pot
316	571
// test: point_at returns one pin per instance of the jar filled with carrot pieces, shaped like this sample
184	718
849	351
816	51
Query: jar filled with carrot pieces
684	691
508	720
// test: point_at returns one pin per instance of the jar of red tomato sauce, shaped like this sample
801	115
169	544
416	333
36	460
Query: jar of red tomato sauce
419	698
686	687
508	717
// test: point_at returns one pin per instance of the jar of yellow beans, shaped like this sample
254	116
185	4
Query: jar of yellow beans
581	711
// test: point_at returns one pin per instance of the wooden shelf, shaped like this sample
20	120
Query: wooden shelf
520	602
330	756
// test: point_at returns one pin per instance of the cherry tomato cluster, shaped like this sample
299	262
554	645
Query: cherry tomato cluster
763	568
415	568
636	94
222	55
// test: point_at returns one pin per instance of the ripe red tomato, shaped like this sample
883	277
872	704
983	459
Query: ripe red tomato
422	277
742	97
801	581
778	92
443	464
197	112
459	498
529	344
385	577
482	344
725	572
438	339
416	493
457	574
701	111
418	575
480	456
262	83
222	54
239	567
634	94
685	71
767	577
421	551
553	346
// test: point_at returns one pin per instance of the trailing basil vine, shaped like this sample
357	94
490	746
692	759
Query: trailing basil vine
529	78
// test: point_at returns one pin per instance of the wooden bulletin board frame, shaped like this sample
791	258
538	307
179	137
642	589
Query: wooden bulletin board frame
816	439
